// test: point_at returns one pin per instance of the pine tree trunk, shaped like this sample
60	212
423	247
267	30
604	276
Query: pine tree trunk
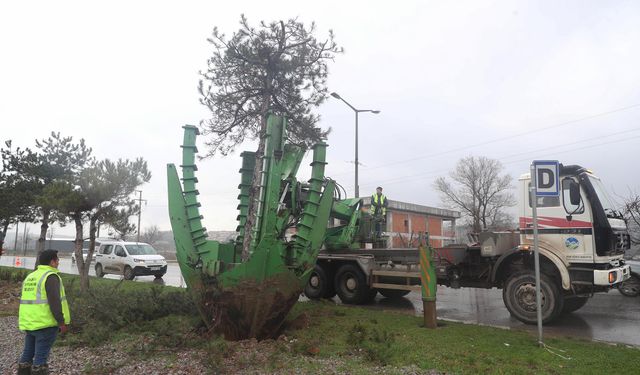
44	227
84	278
254	194
3	234
92	245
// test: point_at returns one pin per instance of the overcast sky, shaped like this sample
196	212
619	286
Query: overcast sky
516	81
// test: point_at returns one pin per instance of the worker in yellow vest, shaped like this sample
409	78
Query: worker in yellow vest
378	210
44	312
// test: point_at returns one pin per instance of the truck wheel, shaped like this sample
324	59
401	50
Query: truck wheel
99	271
373	292
519	296
128	273
631	287
393	293
319	285
351	285
573	304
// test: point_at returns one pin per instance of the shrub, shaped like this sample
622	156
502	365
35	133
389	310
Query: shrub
108	308
14	275
356	335
377	345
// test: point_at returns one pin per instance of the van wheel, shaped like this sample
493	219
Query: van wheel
319	285
631	287
519	296
573	304
351	285
128	273
99	272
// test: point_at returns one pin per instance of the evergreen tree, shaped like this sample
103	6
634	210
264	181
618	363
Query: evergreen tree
278	68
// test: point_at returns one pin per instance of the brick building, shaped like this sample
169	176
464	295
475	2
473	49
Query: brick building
406	221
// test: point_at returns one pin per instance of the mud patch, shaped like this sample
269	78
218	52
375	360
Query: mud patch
251	309
9	297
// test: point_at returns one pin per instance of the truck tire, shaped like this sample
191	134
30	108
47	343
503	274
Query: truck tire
393	293
99	271
572	304
351	285
519	296
319	285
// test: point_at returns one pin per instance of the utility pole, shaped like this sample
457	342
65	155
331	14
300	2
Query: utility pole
357	111
24	240
50	236
15	242
139	211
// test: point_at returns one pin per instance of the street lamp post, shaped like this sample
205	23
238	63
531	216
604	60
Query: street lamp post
357	111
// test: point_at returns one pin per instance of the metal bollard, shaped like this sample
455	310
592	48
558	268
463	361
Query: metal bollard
429	285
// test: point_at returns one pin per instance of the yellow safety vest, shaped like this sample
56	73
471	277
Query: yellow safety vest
34	310
375	202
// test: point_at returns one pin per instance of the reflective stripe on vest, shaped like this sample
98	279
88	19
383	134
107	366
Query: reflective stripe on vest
34	310
378	203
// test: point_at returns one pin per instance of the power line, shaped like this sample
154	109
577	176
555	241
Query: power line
520	153
431	173
500	139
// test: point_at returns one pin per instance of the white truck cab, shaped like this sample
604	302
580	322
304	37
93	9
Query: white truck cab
129	259
579	231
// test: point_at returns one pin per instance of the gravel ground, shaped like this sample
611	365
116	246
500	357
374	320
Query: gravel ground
248	357
102	360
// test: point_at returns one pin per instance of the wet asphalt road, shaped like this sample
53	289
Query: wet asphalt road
608	317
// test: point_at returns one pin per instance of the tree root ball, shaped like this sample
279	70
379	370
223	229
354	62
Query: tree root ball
250	309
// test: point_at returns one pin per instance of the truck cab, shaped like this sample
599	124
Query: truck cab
580	231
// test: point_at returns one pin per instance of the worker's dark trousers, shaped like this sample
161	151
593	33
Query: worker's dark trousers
37	345
379	227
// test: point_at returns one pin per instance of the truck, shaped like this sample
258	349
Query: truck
582	241
245	288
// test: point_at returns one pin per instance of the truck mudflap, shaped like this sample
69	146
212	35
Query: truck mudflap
611	276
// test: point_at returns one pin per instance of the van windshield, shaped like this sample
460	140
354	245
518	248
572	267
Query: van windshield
140	249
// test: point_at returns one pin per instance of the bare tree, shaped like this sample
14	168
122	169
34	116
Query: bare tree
479	190
278	68
631	213
151	234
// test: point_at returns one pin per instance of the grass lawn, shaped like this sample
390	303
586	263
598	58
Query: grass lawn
400	340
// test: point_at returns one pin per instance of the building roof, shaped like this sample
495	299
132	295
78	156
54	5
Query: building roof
412	207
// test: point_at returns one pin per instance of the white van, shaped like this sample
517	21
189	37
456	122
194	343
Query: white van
129	259
85	253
